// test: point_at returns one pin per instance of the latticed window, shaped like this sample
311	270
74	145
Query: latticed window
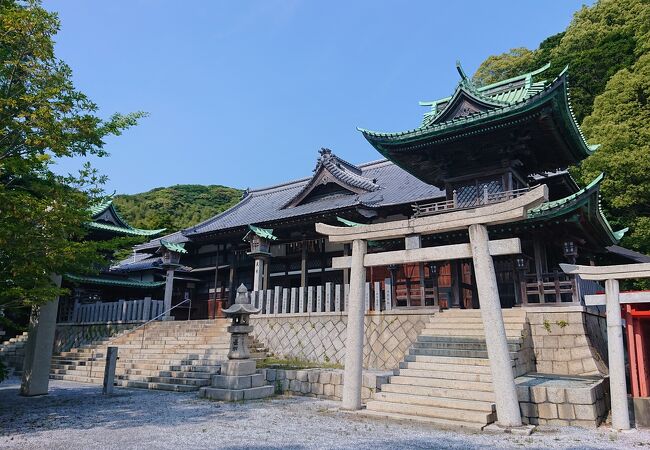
472	193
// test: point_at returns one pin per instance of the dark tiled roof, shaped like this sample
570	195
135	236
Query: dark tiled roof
395	186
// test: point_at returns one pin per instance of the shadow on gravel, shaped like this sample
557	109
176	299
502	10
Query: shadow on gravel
86	408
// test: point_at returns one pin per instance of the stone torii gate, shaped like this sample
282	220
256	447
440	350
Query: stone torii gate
480	249
612	301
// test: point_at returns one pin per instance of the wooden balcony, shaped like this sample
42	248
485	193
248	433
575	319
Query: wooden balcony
486	198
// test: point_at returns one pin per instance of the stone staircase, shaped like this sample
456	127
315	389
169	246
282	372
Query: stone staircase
175	356
445	379
12	352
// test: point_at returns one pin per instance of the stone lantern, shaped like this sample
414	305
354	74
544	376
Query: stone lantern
238	379
260	242
171	258
240	312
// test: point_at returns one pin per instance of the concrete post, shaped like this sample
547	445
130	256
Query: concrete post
617	383
495	332
258	275
355	329
38	350
169	288
109	370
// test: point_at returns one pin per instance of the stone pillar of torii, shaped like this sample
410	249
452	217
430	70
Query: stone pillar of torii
480	249
615	349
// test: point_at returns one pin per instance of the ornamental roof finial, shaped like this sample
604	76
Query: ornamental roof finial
460	70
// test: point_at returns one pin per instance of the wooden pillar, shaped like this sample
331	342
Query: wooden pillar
422	284
303	265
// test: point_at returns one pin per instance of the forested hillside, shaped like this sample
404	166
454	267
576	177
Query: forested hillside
606	48
175	207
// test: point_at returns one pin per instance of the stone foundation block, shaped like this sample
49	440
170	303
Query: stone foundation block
241	382
235	367
555	395
547	411
585	412
565	411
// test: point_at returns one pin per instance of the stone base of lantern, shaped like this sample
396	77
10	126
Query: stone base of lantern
238	381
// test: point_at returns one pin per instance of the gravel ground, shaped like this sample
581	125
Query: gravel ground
77	416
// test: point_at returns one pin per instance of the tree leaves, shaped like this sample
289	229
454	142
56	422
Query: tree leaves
42	118
175	207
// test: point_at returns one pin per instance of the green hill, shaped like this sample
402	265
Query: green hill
175	207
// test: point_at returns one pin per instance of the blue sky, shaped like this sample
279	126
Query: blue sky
244	93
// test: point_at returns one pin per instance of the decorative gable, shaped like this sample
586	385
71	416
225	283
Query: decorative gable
333	176
107	213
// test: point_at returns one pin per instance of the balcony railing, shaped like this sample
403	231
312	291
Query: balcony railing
486	198
556	288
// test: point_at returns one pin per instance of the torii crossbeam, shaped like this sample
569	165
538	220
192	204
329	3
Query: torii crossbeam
480	249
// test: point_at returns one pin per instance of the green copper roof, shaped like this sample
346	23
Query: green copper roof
587	196
509	108
129	231
106	218
502	93
347	222
266	233
128	283
173	247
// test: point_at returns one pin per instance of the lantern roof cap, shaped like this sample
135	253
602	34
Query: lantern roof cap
242	303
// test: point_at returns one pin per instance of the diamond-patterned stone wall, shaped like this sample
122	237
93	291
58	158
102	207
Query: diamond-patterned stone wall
321	337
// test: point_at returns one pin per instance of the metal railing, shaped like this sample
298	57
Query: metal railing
485	198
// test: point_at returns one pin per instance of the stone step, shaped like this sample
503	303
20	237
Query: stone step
441	383
458	345
172	380
447	368
507	312
78	378
439	402
448	360
473	318
469	332
453	353
462	394
188	374
159	386
461	376
479	417
438	422
461	339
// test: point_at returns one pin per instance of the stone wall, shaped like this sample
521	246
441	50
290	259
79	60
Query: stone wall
321	337
322	383
568	340
575	401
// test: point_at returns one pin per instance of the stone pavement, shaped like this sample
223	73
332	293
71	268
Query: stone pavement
77	416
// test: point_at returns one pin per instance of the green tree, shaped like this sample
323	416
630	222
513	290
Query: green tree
600	41
176	207
44	118
620	122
